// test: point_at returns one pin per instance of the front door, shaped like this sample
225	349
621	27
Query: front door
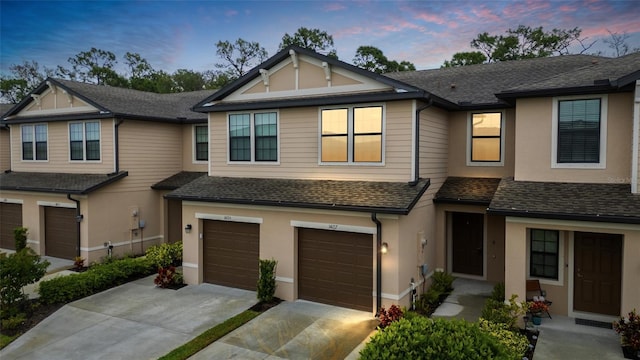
597	273
467	232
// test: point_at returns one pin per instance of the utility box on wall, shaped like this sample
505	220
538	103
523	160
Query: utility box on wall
134	218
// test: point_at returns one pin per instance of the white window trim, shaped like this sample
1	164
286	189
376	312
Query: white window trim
349	161
193	149
603	133
470	135
84	141
561	268
253	138
22	159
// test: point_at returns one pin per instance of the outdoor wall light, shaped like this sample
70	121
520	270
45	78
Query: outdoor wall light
384	248
187	228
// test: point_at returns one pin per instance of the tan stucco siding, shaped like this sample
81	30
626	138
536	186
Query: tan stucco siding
278	240
5	150
58	154
189	162
561	291
534	139
459	147
150	152
298	141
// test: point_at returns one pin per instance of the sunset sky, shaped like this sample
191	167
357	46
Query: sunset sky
175	34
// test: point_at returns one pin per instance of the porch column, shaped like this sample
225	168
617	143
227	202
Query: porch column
515	259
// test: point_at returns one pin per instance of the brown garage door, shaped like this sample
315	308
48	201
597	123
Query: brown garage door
60	234
230	253
10	218
336	268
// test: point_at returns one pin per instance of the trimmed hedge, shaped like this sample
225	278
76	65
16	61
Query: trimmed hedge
97	278
422	338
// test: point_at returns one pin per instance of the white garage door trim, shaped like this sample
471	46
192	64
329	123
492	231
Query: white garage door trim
334	227
234	218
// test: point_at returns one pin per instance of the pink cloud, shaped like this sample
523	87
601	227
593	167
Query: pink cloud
230	13
568	8
334	7
432	18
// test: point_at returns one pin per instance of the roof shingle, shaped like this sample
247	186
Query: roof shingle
177	180
366	196
570	201
57	182
466	190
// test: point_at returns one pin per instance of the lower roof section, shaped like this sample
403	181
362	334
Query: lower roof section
363	196
57	182
566	201
467	190
176	180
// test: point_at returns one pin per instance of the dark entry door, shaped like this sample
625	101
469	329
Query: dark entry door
467	237
597	273
174	220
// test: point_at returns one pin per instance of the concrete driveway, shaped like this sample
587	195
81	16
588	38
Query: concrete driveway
132	321
296	330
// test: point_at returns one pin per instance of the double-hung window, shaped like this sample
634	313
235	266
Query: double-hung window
579	132
544	253
34	142
201	136
84	141
253	137
351	134
486	140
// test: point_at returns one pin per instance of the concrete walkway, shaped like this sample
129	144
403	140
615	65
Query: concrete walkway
560	338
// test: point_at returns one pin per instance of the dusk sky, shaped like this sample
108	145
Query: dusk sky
175	34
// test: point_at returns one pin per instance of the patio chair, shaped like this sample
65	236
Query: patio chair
535	293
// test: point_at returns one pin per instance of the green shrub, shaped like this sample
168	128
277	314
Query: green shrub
165	254
498	292
514	342
20	237
422	338
17	270
13	322
442	281
499	312
267	280
97	278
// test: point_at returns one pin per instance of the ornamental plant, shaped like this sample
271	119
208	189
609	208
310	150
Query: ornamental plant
629	330
387	317
267	280
537	307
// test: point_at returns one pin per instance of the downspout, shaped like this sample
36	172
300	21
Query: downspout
635	156
416	165
78	220
116	141
374	218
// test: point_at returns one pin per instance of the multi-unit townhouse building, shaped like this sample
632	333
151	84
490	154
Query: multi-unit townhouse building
361	184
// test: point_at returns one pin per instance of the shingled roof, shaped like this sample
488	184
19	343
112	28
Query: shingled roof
474	86
365	196
566	201
128	103
177	180
466	190
57	182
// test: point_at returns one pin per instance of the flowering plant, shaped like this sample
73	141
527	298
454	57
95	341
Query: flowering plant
629	329
536	307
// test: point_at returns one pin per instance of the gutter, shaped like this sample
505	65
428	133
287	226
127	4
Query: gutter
78	220
116	141
416	137
374	218
563	216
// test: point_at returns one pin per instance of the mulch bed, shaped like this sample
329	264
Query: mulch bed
532	336
264	306
38	313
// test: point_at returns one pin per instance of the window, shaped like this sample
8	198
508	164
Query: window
253	137
544	253
351	135
201	142
579	131
34	142
486	138
84	141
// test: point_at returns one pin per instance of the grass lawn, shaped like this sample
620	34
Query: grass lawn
206	338
6	340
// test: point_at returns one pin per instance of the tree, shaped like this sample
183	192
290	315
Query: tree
312	39
95	66
239	56
523	42
465	58
618	43
216	79
187	80
373	59
23	79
